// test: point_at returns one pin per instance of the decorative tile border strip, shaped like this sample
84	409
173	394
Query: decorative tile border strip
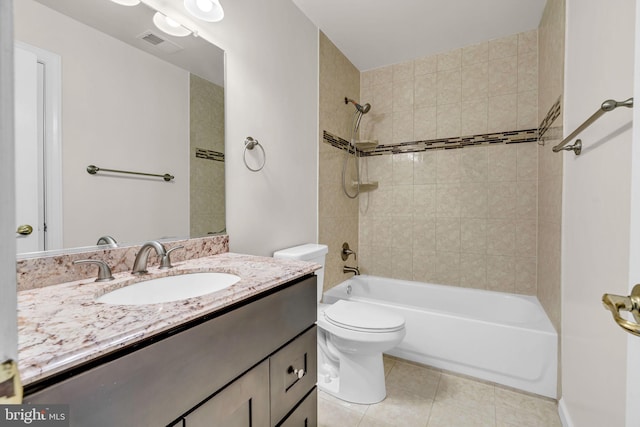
513	137
201	153
552	115
336	141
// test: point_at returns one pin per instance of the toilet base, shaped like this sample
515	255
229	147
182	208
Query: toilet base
363	379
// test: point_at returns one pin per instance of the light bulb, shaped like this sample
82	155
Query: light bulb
171	22
169	25
127	2
204	5
207	10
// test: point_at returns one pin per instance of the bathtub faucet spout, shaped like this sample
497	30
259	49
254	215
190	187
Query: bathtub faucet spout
354	270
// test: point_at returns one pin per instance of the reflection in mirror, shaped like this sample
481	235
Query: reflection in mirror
132	98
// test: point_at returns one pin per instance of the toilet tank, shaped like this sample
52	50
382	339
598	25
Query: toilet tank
311	252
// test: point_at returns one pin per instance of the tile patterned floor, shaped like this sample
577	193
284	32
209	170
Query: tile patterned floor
419	396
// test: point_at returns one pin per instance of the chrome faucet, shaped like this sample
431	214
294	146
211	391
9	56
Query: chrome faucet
354	270
107	240
140	264
104	272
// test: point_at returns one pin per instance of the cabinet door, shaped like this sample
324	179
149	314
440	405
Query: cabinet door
243	403
306	414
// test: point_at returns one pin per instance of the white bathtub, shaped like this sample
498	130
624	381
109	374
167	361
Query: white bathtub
499	337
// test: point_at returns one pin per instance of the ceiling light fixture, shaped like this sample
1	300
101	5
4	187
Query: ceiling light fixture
207	10
169	26
127	2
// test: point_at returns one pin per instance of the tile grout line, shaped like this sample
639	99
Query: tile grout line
433	401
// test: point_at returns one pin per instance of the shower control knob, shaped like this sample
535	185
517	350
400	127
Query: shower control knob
297	372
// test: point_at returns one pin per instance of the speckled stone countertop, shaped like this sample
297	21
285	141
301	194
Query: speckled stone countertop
62	326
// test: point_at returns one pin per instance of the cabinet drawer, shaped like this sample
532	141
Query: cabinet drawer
306	414
293	372
243	403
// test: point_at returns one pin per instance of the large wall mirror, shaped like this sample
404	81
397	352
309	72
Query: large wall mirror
130	98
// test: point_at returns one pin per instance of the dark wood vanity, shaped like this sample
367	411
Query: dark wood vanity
251	364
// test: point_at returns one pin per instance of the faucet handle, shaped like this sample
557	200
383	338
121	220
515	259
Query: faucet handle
104	272
346	251
165	262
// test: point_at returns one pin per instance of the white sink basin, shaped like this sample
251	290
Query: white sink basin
167	289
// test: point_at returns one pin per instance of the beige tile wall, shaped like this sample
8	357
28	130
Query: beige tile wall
338	216
206	198
488	87
551	48
463	217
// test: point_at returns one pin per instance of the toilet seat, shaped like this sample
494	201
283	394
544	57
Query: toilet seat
361	317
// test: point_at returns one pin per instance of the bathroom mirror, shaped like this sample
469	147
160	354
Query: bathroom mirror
132	98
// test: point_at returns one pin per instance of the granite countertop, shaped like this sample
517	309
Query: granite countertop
62	326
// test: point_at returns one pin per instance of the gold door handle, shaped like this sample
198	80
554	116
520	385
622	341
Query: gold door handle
24	229
615	303
11	390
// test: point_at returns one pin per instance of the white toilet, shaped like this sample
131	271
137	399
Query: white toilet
351	338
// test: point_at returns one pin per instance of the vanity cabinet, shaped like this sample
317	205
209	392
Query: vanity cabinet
243	403
306	414
267	393
252	365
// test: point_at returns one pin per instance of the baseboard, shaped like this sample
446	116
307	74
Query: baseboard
564	414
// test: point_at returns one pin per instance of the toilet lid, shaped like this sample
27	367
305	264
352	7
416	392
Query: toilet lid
362	317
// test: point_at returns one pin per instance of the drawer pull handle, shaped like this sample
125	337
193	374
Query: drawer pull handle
297	372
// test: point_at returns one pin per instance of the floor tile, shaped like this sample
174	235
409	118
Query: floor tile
446	415
333	415
419	396
347	405
374	422
418	380
388	364
401	408
459	391
524	410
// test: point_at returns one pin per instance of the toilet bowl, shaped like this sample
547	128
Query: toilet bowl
351	339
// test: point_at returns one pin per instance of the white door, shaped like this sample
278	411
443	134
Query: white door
8	318
633	342
28	156
38	101
601	215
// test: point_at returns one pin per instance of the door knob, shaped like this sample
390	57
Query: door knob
615	303
24	229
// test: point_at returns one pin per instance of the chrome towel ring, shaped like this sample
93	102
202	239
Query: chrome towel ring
249	144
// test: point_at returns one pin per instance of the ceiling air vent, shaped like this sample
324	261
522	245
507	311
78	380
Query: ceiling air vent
159	43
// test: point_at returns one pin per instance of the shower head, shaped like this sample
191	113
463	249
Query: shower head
364	109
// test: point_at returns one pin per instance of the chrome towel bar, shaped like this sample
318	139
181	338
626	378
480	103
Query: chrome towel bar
92	169
608	105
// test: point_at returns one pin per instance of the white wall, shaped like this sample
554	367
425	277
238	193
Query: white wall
121	109
271	94
596	210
